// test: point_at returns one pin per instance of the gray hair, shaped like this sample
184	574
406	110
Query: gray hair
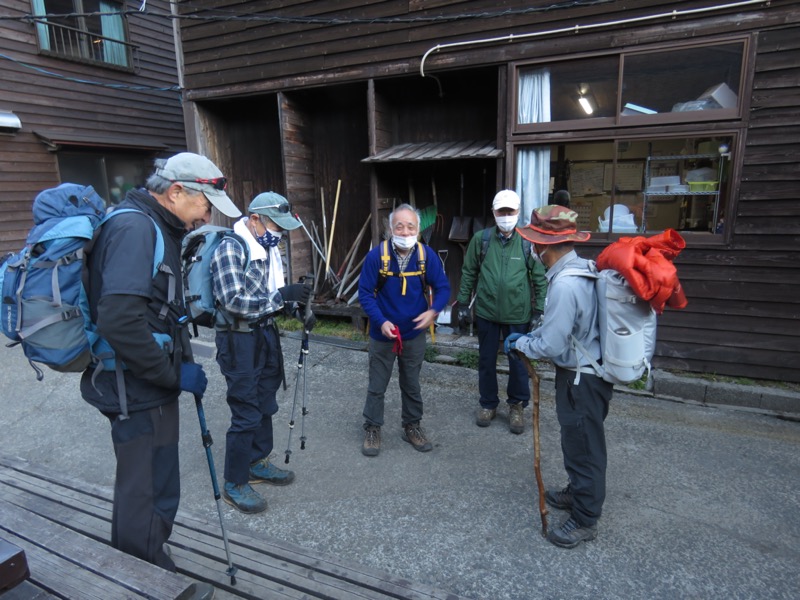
404	206
159	185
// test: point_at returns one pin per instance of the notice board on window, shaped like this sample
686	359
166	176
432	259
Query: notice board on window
586	178
629	176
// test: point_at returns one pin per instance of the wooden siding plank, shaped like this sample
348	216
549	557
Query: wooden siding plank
410	50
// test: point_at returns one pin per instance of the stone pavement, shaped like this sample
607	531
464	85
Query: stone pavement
703	501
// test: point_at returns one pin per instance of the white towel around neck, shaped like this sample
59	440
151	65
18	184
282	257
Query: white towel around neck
275	277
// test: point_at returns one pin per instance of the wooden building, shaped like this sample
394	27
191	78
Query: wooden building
88	94
680	115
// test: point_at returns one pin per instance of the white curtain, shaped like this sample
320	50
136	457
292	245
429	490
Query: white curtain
42	30
533	163
113	27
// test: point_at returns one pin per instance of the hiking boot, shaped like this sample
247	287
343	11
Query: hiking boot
515	422
244	497
415	435
372	440
561	499
263	471
569	534
485	416
202	591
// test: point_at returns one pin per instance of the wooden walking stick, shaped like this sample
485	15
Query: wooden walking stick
537	457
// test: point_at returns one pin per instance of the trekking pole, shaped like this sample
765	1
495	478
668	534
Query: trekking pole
205	436
537	459
207	442
300	368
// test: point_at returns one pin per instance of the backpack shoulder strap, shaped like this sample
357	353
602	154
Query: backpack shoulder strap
421	262
158	256
242	242
485	238
383	271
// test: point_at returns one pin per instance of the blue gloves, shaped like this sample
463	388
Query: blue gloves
509	343
193	379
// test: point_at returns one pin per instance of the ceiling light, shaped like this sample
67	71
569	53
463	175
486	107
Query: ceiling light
586	104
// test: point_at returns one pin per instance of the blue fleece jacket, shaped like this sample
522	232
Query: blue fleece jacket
390	304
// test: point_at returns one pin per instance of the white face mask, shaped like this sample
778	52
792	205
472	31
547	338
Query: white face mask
404	242
506	223
538	257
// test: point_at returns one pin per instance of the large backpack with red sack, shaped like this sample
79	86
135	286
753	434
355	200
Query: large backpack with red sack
627	327
633	279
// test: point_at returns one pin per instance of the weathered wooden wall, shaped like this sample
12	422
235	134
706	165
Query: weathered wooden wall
744	307
42	91
743	290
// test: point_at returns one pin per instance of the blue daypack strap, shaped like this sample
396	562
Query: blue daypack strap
158	256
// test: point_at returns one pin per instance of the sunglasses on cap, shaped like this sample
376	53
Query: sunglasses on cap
218	183
281	208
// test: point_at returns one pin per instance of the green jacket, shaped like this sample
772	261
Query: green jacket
504	283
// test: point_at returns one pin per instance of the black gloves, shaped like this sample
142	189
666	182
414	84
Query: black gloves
463	314
536	320
296	292
300	314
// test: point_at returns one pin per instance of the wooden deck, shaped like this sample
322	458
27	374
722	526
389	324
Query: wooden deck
64	527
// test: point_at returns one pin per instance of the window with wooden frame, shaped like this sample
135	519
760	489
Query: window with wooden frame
635	185
91	31
634	88
674	118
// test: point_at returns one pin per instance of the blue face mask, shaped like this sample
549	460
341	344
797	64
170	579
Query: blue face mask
270	239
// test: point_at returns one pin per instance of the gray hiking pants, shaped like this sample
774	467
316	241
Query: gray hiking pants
381	364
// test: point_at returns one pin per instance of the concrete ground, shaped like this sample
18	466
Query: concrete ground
703	501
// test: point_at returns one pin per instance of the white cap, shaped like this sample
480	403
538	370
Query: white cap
506	199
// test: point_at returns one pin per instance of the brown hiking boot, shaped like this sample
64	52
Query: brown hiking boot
485	416
372	440
515	422
415	435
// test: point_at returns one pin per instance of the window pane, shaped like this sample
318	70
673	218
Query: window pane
568	90
84	38
689	80
687	183
677	183
111	174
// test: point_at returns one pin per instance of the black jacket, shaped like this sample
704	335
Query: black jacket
125	301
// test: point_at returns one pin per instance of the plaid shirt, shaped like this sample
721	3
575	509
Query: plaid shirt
243	294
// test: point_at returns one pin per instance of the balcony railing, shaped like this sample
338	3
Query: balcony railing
82	46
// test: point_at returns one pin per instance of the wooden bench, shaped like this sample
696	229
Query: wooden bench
65	562
79	514
356	314
13	566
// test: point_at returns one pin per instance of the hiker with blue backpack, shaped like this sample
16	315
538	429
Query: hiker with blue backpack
249	290
571	316
139	315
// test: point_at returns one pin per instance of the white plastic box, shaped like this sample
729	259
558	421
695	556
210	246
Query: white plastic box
722	95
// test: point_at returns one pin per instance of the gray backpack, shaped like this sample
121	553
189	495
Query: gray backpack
627	327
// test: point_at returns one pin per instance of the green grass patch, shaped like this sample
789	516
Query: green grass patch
328	327
468	358
431	353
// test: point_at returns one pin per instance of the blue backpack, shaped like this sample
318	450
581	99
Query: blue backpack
45	307
198	293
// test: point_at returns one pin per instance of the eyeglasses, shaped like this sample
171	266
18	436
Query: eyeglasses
218	183
281	208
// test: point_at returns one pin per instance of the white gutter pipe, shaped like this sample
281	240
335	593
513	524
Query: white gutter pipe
579	28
